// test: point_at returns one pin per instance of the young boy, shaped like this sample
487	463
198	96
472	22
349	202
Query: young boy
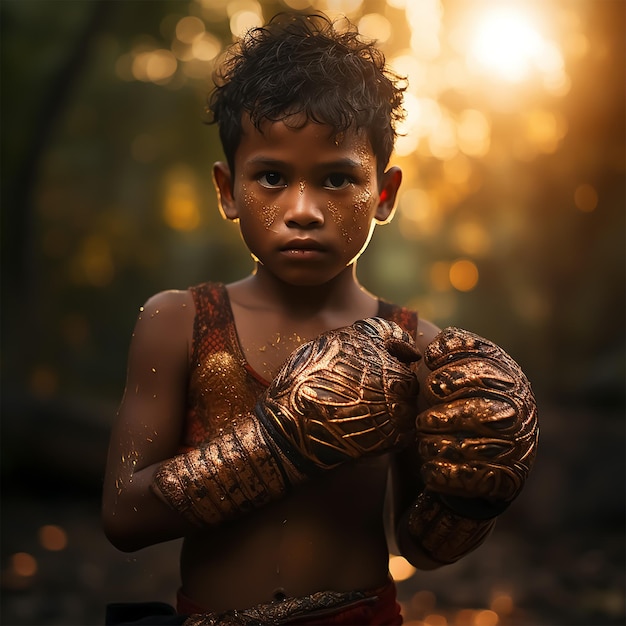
261	419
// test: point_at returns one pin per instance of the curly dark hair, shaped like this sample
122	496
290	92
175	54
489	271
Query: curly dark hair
302	64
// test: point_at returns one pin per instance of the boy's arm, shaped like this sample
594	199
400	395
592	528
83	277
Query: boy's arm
476	439
148	424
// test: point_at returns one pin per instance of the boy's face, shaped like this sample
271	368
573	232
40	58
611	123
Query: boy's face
306	200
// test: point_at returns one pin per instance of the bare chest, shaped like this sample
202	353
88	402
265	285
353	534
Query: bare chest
267	344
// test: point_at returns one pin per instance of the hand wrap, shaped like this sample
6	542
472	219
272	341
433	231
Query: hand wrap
476	443
346	394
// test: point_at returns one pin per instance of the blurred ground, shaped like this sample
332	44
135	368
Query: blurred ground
555	559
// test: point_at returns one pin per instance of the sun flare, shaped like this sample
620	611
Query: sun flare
507	43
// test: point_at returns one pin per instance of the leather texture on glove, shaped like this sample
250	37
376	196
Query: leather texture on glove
478	439
347	394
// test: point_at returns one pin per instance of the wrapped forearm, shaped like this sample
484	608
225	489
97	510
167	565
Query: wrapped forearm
349	393
236	472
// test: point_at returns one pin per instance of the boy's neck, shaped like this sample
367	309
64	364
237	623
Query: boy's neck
344	291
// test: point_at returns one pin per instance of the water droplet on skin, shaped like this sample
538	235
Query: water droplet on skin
154	370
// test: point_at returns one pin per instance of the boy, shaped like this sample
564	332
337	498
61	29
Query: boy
261	419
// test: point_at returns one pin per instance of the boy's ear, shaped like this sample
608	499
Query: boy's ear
389	185
223	181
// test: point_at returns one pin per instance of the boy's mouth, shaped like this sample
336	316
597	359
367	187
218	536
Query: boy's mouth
302	246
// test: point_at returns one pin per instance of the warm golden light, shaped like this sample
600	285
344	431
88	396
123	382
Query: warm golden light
206	47
440	276
400	568
189	28
423	601
586	198
156	66
464	617
507	43
435	620
52	537
181	207
24	564
486	618
375	26
463	275
94	264
502	603
244	15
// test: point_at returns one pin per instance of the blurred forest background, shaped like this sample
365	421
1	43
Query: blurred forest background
511	223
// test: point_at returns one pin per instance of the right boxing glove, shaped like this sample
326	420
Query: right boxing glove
347	394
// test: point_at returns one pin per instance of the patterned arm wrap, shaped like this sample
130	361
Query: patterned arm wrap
347	394
476	443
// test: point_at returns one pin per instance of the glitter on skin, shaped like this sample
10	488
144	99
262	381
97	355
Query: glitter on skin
336	213
269	215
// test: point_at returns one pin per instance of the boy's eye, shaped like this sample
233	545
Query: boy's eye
271	180
337	181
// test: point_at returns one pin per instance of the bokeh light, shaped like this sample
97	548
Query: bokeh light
52	537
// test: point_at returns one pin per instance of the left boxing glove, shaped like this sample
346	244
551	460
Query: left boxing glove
475	444
347	394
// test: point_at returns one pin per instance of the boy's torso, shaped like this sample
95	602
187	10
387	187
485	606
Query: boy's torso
328	534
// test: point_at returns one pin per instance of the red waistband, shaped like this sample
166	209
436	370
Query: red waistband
384	610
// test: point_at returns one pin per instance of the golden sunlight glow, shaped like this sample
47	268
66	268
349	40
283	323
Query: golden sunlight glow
435	620
244	15
463	275
375	26
424	19
156	66
189	28
586	198
338	8
52	537
206	47
94	263
298	5
486	618
507	43
439	274
400	568
24	564
473	133
502	603
181	208
472	238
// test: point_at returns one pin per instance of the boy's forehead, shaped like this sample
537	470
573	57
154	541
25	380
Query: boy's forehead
293	126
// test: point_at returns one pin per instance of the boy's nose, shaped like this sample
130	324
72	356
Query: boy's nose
303	209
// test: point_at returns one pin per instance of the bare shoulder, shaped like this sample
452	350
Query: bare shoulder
164	324
174	308
173	302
